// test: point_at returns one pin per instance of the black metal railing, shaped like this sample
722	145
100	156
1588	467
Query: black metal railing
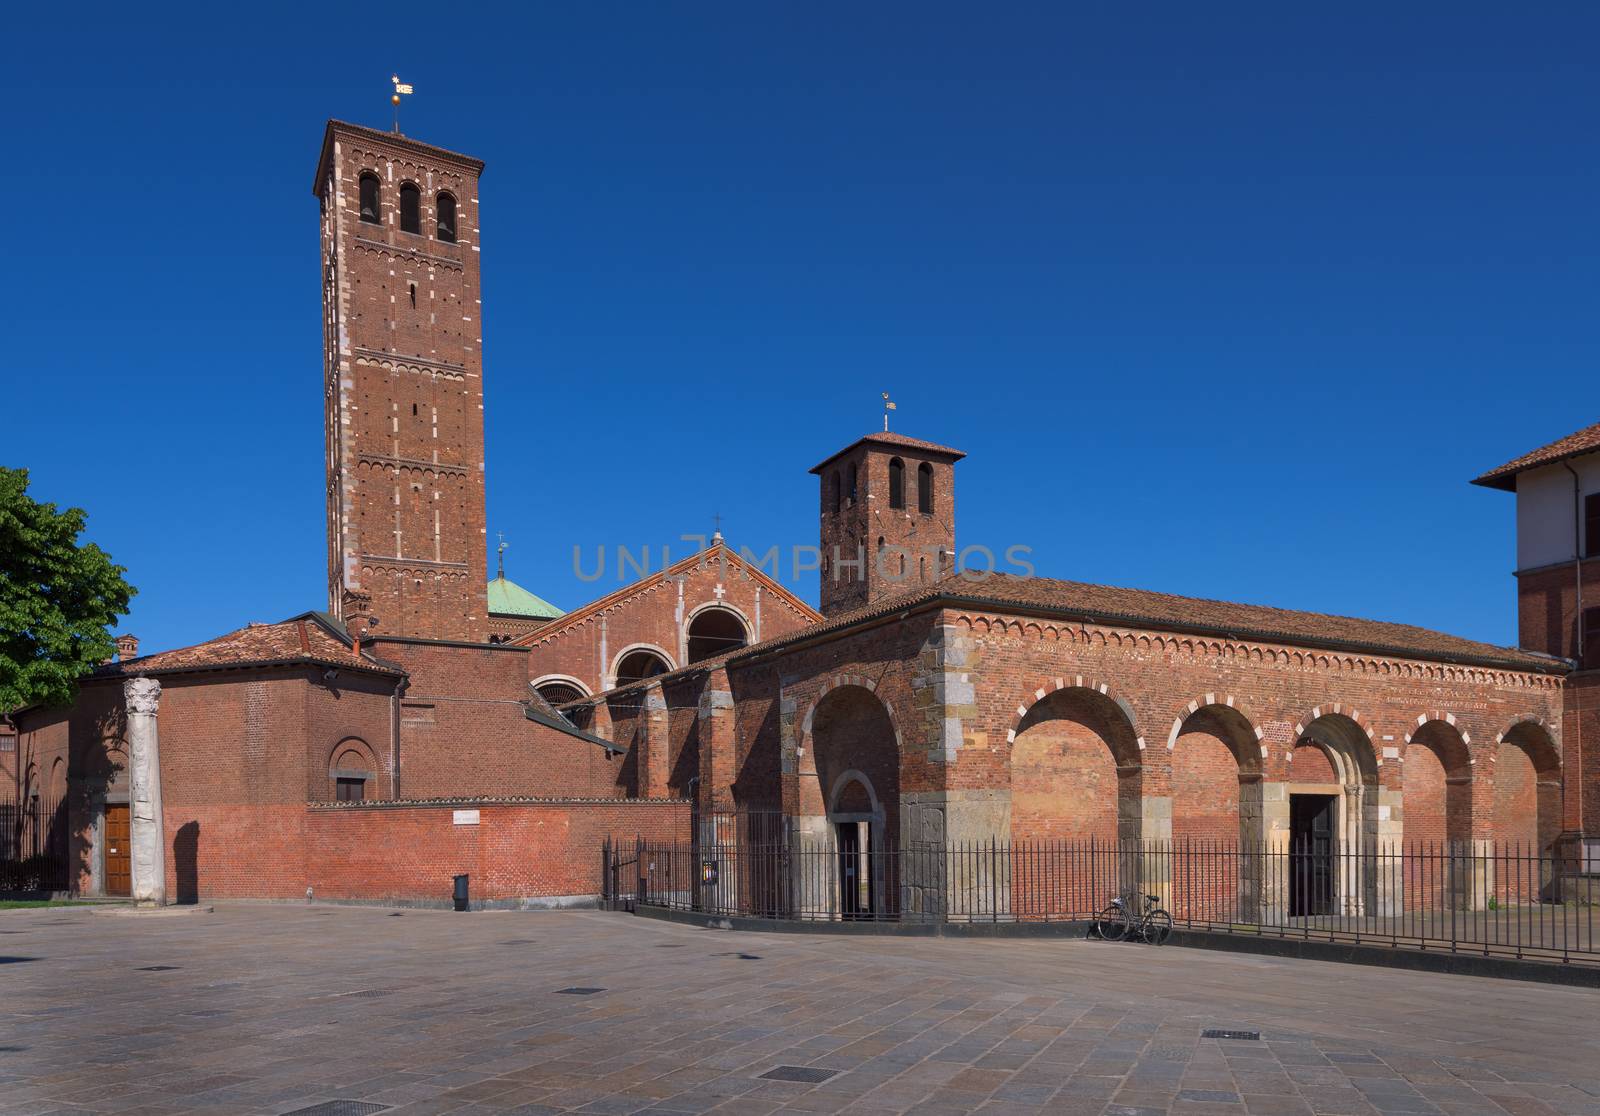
33	844
1491	899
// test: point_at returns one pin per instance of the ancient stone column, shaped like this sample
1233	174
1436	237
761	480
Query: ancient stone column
148	833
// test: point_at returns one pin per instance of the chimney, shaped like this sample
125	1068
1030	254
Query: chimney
127	648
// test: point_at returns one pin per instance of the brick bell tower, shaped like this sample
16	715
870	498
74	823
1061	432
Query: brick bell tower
403	385
888	519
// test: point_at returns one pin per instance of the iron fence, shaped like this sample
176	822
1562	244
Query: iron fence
33	844
1491	899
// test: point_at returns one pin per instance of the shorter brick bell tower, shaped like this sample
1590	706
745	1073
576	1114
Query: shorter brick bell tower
888	519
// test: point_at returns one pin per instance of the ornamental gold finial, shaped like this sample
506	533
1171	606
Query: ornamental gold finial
400	87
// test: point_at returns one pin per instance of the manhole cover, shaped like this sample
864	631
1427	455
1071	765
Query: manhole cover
1245	1035
798	1073
578	991
156	968
340	1108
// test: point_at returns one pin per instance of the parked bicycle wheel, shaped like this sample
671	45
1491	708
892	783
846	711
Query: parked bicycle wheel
1157	926
1112	923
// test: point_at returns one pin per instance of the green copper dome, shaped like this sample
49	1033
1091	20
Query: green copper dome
507	598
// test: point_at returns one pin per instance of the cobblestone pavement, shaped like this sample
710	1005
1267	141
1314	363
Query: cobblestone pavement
271	1009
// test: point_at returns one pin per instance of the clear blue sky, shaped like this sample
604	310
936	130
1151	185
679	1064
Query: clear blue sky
1226	300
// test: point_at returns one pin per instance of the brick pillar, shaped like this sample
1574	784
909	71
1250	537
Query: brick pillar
653	747
718	745
600	722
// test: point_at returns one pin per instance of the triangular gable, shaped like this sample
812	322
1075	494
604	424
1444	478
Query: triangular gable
711	555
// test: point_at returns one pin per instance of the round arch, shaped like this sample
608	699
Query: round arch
714	628
1075	764
352	770
579	688
1437	780
1331	815
636	656
1527	785
1215	757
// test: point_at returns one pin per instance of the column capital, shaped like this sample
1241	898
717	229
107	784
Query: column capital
142	695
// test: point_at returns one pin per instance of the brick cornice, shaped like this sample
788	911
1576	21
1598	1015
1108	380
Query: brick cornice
399	144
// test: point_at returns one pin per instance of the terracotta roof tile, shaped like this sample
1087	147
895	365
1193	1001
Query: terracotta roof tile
304	639
885	439
1586	440
1166	611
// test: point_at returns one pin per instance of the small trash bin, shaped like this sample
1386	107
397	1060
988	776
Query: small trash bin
461	893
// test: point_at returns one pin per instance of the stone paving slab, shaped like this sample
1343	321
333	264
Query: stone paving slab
274	1008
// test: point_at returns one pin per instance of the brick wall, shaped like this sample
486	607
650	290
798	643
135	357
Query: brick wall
516	850
462	729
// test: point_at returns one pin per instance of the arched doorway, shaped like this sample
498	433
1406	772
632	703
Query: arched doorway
849	800
715	630
1332	820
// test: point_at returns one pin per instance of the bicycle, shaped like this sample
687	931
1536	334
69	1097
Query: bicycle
1116	922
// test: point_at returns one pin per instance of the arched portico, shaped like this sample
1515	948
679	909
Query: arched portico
1076	768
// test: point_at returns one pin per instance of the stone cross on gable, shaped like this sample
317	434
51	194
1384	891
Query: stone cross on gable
720	590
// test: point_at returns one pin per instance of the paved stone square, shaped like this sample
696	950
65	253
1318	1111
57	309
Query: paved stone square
275	1008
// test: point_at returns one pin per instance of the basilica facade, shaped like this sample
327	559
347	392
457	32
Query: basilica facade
428	720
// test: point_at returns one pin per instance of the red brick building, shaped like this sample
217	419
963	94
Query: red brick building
411	731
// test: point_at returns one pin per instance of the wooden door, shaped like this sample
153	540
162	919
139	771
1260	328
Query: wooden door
119	854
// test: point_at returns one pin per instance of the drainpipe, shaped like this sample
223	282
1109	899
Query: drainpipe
1577	572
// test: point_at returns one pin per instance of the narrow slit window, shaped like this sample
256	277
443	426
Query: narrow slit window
413	296
446	207
410	208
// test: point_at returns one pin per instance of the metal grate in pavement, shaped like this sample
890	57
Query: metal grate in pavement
810	1074
520	941
578	990
156	968
207	1013
1251	1036
365	994
340	1108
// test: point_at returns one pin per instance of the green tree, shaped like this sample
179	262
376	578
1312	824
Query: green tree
58	598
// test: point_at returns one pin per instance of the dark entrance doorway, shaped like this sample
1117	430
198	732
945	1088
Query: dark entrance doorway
1311	859
119	854
855	868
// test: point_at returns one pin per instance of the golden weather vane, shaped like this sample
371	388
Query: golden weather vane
400	88
888	405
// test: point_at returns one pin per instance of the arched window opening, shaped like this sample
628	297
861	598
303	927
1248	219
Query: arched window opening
925	488
559	693
1591	638
369	200
897	483
636	666
855	490
446	207
410	208
716	631
833	492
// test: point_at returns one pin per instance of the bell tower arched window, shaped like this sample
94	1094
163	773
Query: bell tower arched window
897	483
410	208
370	212
833	492
855	489
925	488
446	207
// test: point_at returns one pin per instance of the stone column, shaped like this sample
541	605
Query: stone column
148	832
